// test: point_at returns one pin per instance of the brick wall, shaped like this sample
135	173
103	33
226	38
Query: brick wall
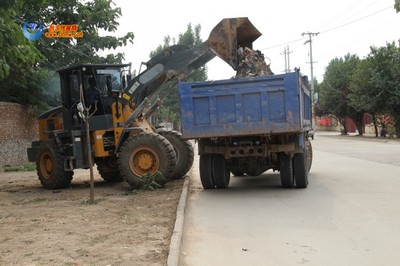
18	127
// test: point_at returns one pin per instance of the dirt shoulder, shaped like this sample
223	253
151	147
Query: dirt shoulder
60	227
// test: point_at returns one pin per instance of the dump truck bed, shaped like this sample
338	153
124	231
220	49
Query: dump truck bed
248	106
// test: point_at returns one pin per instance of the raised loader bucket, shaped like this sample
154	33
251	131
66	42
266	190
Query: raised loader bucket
229	35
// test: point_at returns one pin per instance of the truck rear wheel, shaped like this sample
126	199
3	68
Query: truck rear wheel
146	153
309	154
300	166
206	175
50	167
219	172
183	151
286	170
108	169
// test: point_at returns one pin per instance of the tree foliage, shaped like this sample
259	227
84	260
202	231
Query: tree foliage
96	19
383	77
21	80
397	5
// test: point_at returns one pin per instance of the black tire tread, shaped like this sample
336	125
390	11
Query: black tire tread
286	170
108	172
300	166
206	175
220	174
184	148
157	142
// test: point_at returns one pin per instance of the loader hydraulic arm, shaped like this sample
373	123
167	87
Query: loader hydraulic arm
179	61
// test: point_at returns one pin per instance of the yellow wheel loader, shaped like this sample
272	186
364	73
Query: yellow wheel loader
123	144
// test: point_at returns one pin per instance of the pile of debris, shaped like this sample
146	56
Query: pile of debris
251	64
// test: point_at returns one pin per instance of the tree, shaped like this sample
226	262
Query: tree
335	90
397	5
385	76
190	38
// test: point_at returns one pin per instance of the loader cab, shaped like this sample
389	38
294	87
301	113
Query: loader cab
91	84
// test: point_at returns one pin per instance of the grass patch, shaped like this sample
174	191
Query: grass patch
37	200
20	168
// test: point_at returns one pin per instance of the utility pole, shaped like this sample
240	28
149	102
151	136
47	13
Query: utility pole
310	35
288	59
286	53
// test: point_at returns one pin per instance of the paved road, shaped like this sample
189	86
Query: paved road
349	214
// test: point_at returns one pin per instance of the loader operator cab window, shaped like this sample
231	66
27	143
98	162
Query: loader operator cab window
100	85
92	94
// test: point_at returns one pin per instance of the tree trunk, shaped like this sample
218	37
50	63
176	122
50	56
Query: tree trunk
375	125
358	121
397	125
343	121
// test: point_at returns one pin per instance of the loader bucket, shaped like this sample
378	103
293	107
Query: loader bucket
229	35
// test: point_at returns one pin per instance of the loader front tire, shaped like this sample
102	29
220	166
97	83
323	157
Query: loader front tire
146	153
50	167
183	151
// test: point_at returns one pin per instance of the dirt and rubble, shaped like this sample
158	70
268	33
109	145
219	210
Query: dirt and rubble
252	63
60	227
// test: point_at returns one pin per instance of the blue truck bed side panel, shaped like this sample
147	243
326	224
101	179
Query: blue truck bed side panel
249	106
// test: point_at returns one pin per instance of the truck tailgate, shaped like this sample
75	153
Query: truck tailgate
248	106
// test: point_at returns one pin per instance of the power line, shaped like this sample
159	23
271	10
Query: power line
331	29
356	20
339	15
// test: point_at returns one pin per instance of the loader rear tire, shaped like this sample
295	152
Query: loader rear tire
286	170
183	151
108	169
50	167
219	172
206	175
146	153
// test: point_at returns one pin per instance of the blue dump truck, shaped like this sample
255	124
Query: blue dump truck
248	126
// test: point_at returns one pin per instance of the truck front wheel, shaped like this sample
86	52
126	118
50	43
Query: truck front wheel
286	170
50	167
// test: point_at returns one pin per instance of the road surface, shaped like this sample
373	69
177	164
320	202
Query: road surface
349	214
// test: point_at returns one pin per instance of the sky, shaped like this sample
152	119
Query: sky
344	26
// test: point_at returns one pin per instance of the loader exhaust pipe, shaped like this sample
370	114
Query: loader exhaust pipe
230	34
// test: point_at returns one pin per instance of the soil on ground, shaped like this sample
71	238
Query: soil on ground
61	227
